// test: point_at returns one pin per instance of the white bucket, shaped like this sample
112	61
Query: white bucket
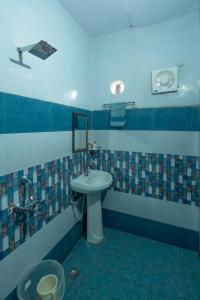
46	287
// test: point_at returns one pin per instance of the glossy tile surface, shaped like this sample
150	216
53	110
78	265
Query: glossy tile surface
125	266
20	114
168	119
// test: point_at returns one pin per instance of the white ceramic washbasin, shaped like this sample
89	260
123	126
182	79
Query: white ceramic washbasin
96	181
92	185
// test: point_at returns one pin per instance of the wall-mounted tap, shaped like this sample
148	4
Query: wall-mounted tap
89	165
30	205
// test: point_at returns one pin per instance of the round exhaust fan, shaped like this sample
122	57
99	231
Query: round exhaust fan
164	81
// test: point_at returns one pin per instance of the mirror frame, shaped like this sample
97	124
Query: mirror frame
75	115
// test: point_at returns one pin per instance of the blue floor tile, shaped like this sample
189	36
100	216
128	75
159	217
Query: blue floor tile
125	266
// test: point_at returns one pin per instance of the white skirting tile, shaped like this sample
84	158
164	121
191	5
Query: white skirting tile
167	212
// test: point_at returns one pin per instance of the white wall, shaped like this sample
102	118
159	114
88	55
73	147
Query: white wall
146	141
27	22
24	150
132	54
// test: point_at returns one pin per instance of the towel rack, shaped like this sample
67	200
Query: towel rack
129	105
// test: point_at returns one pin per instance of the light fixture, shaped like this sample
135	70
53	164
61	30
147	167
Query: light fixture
117	87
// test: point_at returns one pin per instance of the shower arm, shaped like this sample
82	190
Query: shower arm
26	48
41	49
20	51
20	61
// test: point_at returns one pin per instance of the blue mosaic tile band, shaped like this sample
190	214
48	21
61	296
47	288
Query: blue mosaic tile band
50	186
167	177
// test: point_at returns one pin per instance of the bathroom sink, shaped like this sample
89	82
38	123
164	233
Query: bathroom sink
96	181
92	185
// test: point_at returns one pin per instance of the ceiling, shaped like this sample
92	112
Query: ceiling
99	17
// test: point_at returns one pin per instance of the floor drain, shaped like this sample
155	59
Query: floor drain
74	272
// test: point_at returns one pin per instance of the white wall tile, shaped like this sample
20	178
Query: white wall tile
177	214
176	142
165	142
24	150
128	204
60	144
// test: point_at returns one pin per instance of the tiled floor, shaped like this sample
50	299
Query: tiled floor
127	267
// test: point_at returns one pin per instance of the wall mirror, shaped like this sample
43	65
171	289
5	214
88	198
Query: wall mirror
80	132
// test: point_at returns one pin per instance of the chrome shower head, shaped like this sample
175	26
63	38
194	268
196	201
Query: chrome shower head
42	50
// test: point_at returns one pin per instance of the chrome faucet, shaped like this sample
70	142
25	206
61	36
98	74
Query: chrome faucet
90	165
28	207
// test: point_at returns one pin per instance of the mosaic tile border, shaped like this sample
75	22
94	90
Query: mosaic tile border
166	177
50	186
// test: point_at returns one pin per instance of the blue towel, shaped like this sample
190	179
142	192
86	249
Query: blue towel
117	115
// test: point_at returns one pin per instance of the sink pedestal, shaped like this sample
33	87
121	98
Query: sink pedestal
92	185
94	218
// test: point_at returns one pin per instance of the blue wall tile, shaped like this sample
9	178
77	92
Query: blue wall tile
158	231
21	114
170	119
